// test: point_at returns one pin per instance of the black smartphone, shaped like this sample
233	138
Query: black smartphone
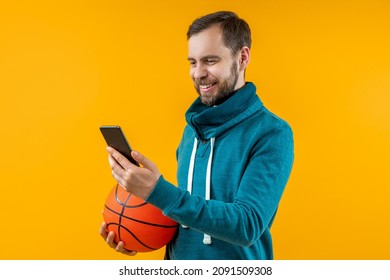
116	139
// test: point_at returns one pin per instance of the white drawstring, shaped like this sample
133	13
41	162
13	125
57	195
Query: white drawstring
191	167
208	173
206	238
191	170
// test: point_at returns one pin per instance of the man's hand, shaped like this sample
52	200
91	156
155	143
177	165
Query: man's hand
139	181
109	238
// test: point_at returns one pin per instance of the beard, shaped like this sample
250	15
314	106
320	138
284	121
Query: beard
226	88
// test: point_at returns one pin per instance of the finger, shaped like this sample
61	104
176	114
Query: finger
119	179
103	230
120	159
115	165
117	170
121	248
111	161
110	239
147	163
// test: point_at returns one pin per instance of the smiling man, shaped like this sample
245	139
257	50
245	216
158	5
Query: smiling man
216	71
234	159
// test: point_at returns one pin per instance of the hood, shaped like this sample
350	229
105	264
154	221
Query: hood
209	122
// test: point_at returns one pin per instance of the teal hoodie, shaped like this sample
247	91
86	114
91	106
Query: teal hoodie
234	161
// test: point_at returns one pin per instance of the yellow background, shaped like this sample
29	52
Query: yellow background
67	67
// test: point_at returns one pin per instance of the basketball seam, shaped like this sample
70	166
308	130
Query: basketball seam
138	221
135	237
120	217
124	204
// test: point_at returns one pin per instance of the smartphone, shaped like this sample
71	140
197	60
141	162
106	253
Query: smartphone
116	139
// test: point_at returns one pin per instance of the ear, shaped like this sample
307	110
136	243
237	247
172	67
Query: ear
244	57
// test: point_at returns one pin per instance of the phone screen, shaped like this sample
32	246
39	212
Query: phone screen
116	139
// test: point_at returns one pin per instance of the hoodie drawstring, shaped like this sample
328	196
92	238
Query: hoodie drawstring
191	167
191	170
206	238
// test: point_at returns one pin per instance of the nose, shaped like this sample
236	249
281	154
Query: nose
199	72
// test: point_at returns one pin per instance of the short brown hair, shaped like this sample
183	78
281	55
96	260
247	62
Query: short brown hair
235	31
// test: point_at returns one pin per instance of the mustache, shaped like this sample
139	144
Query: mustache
205	81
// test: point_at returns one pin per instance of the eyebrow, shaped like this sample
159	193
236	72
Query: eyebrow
211	56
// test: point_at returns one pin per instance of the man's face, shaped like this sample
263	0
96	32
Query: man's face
214	70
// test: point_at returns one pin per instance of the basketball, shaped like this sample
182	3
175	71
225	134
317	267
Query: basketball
141	226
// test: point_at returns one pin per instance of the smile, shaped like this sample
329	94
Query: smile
206	87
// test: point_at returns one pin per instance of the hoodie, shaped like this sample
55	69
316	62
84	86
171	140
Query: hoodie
234	161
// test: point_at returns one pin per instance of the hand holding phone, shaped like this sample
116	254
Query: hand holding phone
116	139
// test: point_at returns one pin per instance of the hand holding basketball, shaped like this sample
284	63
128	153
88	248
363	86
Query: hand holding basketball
132	225
139	181
109	237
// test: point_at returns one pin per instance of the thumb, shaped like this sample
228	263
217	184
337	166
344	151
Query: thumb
145	162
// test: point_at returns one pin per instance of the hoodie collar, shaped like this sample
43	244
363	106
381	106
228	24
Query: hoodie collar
208	122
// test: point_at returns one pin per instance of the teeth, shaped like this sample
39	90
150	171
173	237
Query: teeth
205	86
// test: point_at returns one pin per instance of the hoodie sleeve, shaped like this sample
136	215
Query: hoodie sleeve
243	221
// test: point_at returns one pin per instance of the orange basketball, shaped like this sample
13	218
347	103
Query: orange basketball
141	226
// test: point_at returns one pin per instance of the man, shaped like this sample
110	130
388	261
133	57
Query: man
234	159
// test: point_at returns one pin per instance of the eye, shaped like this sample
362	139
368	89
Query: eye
192	63
211	61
